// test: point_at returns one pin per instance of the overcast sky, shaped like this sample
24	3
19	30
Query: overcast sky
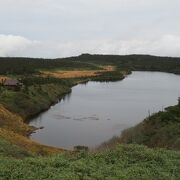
59	28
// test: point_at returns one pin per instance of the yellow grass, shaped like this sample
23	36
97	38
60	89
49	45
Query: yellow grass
13	122
77	73
14	130
28	144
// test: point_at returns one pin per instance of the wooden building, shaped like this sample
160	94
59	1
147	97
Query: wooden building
12	84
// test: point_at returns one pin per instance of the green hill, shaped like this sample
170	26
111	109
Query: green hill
162	129
123	162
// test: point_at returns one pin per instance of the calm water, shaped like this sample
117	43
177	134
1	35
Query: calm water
95	112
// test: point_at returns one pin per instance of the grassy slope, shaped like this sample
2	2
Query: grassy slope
17	106
123	162
10	150
13	122
32	100
159	130
13	135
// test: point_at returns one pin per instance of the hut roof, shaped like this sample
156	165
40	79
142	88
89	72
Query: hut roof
11	82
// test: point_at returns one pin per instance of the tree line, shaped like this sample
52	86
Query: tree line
87	61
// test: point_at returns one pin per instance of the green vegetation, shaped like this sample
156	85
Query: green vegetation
87	61
10	150
13	122
29	65
36	95
135	62
108	76
159	130
123	162
14	137
21	158
17	106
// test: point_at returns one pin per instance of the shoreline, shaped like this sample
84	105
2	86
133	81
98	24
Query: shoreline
141	119
60	97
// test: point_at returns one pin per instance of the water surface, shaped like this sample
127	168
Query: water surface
95	112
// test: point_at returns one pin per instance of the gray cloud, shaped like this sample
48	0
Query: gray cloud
15	45
167	45
53	28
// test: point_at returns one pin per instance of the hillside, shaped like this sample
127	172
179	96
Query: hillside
123	162
162	129
14	141
90	62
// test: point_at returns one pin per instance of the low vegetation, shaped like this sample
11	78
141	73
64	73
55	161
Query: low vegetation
159	130
9	150
32	99
123	162
13	122
62	74
14	137
109	76
28	145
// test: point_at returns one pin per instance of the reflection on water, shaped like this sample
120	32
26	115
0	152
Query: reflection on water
95	112
67	97
80	118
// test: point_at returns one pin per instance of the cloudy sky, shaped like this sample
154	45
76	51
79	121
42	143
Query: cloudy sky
59	28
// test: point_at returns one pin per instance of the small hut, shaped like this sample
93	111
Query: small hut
12	84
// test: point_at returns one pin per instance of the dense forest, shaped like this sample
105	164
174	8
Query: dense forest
87	61
30	65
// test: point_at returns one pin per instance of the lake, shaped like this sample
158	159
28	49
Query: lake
95	112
